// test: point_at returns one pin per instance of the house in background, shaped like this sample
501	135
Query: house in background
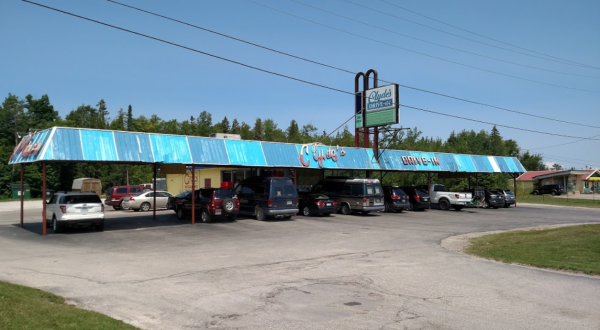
573	181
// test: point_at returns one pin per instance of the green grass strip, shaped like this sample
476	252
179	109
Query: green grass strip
573	248
27	308
560	201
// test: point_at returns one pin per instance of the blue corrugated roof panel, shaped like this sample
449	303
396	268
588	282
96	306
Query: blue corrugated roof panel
208	151
245	153
281	154
170	149
482	164
98	145
31	147
357	158
66	144
133	147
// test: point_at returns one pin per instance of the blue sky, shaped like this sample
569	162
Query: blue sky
79	62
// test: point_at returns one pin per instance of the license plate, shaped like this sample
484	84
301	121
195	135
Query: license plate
289	202
217	212
378	200
328	204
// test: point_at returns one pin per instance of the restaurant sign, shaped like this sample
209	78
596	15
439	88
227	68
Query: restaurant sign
319	154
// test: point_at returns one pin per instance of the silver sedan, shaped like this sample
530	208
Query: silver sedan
144	201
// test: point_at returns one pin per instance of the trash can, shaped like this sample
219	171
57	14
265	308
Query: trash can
16	191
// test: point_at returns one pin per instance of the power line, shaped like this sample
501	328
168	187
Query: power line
285	76
480	35
341	69
421	53
571	158
437	44
564	144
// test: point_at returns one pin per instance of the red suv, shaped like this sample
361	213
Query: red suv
115	195
209	203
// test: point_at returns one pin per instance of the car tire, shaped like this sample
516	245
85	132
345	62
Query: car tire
345	209
145	207
260	214
121	206
535	192
100	226
56	227
506	206
204	216
306	211
457	207
410	207
553	193
444	204
117	207
387	207
180	213
228	205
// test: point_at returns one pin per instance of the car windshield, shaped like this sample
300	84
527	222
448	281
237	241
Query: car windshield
399	192
184	194
224	193
508	192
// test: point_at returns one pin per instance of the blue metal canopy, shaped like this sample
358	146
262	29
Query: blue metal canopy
59	144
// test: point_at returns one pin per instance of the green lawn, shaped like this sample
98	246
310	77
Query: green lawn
549	200
574	248
26	308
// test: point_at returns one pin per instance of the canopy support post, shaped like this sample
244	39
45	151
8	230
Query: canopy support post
22	193
44	221
154	198
193	195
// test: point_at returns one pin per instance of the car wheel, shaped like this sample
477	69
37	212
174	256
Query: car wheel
506	206
56	227
410	207
180	213
204	216
345	209
117	207
145	207
306	211
553	193
100	226
457	207
387	207
444	204
228	205
260	214
535	192
121	206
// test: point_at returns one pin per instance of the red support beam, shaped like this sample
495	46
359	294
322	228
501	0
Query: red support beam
22	193
193	195
44	199
154	198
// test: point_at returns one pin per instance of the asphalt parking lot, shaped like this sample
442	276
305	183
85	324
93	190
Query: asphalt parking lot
382	271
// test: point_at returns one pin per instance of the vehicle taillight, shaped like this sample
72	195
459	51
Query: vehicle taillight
131	198
63	208
270	203
334	203
457	195
364	200
417	198
395	197
320	203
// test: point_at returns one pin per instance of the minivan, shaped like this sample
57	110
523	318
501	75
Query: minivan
265	197
352	194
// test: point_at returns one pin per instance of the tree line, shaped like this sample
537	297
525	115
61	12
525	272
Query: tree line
20	116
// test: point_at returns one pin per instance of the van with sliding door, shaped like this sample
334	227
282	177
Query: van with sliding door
352	194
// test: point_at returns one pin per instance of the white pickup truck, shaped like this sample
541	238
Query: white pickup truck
446	199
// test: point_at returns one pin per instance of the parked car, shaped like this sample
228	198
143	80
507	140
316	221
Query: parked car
444	200
264	197
144	201
552	189
316	204
353	194
395	199
209	203
75	209
418	198
509	197
115	195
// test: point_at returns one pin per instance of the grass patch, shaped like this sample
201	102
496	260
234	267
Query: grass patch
574	248
22	307
549	200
